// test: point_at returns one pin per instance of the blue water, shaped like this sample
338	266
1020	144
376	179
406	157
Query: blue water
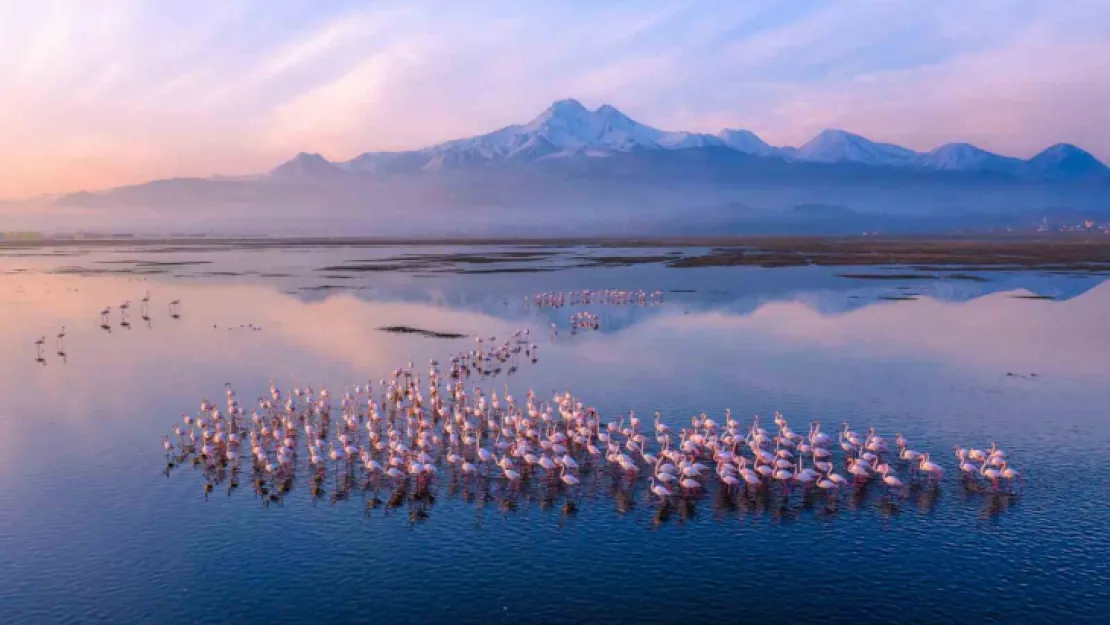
94	529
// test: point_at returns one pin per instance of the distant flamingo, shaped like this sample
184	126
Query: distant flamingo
123	310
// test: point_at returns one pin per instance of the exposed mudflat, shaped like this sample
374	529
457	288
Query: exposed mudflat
419	331
1056	252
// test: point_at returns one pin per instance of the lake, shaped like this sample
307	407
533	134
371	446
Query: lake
95	527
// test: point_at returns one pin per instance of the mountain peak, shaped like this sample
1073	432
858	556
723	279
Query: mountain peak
837	134
309	157
567	125
608	110
833	145
746	141
957	145
966	157
1065	160
305	165
566	111
736	132
1062	150
567	105
956	151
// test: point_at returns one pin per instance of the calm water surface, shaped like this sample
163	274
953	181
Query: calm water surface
92	529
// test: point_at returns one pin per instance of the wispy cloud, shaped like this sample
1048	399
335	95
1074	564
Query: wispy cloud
128	91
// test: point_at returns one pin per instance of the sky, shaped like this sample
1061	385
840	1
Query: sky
101	93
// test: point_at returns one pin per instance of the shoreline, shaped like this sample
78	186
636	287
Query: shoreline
1088	252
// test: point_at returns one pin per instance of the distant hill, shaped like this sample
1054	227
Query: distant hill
1066	162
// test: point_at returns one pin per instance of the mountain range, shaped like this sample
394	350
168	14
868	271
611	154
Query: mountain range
567	129
575	170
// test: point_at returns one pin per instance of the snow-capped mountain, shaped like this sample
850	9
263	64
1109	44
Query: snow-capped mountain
572	169
839	146
747	142
967	157
566	128
569	130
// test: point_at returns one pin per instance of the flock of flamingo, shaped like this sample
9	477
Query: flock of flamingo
490	358
106	325
59	346
411	433
144	313
586	320
612	297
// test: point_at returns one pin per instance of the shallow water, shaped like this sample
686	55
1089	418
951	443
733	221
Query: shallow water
92	529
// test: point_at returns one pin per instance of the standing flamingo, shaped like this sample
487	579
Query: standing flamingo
123	309
660	490
569	480
931	468
1011	475
827	485
990	473
893	483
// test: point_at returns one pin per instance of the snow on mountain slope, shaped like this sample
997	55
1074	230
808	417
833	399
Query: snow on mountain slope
967	157
747	141
567	125
567	129
619	132
839	146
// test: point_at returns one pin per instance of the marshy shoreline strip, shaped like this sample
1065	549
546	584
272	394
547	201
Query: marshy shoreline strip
420	331
1064	252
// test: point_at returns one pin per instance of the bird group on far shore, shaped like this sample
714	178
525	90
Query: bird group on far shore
611	297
